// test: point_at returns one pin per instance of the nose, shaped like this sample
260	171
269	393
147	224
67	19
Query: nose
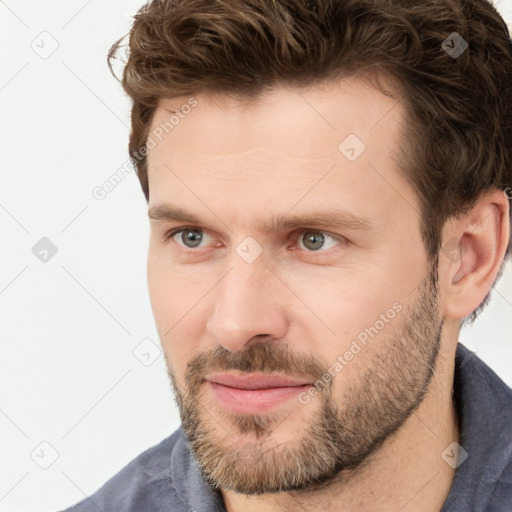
248	307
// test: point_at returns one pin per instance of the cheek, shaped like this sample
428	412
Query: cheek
342	299
357	307
159	292
167	295
175	303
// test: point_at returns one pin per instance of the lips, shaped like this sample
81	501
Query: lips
253	393
255	381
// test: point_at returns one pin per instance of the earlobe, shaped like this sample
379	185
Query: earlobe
477	243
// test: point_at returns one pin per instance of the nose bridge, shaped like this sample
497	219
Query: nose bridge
247	304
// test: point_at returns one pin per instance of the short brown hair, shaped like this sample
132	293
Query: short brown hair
459	108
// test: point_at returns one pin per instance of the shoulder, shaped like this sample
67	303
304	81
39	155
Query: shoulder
484	406
500	491
143	484
484	399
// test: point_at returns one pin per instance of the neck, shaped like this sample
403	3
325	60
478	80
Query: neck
406	473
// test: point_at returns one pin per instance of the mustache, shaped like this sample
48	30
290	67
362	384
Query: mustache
262	357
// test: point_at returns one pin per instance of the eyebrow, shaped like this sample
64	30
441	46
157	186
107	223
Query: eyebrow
333	218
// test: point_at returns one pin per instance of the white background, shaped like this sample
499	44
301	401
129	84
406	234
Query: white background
69	376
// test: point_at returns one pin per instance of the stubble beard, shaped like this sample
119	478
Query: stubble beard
237	452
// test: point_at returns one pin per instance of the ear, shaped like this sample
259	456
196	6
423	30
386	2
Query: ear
473	249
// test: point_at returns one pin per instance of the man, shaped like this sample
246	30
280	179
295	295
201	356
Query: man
328	186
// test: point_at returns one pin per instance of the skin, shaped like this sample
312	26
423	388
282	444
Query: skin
236	164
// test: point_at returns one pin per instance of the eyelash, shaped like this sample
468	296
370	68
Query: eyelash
170	234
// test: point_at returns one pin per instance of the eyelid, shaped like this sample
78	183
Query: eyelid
169	234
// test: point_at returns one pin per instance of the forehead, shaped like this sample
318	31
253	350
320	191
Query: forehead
337	142
280	115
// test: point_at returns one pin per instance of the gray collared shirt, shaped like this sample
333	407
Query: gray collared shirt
166	477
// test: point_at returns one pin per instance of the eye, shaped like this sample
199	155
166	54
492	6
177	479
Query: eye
314	240
310	240
190	237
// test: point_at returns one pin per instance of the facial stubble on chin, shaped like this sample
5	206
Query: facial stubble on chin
339	437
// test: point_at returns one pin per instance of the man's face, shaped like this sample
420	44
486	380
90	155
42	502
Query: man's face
239	296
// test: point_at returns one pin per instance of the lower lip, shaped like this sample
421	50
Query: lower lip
253	401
